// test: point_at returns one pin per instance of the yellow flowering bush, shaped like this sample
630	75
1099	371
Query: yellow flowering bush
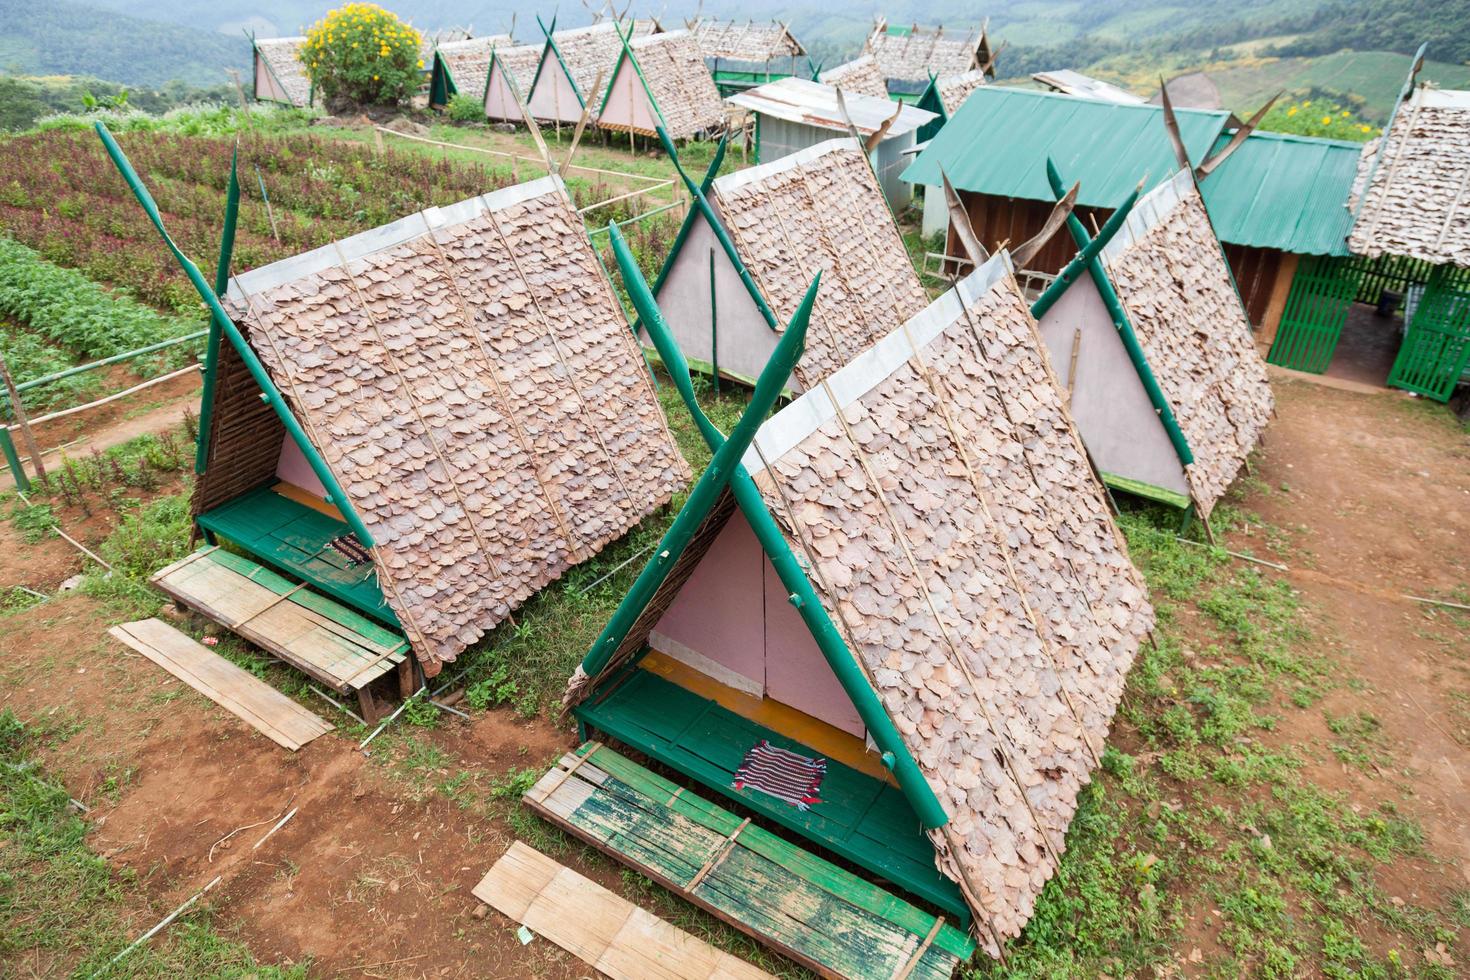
361	53
1327	119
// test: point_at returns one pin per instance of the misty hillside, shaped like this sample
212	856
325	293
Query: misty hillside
59	37
1251	45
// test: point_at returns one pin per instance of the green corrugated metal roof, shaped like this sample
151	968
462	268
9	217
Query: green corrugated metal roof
1284	192
999	140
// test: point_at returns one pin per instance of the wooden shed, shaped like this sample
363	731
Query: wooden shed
857	77
661	81
909	57
571	63
1152	344
462	66
1412	203
795	113
752	241
412	431
900	633
277	72
753	53
508	82
1278	202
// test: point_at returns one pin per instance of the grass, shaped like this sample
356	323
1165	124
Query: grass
1202	845
63	910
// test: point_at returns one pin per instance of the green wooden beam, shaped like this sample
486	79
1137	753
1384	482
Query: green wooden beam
1119	316
799	591
1083	260
701	202
707	488
272	395
221	283
690	216
47	379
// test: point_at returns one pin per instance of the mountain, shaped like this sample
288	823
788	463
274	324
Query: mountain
59	37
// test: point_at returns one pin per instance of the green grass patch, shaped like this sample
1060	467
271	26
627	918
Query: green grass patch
1211	829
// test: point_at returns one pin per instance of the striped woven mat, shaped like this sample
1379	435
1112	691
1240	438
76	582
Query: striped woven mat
788	776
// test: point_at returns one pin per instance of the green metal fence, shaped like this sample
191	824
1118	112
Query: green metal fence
1316	308
1436	345
1394	272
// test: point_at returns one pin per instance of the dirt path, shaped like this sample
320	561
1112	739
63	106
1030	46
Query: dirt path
153	410
1375	492
371	877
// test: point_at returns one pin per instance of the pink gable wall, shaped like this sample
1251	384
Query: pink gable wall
734	617
266	88
718	612
627	101
552	95
796	672
295	470
499	103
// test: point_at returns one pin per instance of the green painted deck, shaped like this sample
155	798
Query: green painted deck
1146	490
864	820
293	538
819	914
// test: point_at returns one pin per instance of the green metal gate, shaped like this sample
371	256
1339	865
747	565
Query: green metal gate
1436	344
1316	308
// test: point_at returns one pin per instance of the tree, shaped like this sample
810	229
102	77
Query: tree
362	54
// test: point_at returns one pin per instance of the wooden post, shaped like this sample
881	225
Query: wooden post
407	681
1276	307
22	422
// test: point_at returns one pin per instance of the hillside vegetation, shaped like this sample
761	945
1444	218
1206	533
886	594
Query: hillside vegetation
59	37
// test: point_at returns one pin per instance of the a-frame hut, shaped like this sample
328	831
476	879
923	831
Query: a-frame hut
1413	203
415	429
752	241
909	56
901	635
857	77
796	113
512	71
753	53
661	81
462	66
278	72
1167	386
571	62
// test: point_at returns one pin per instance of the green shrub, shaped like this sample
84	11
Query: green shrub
498	688
466	108
67	308
147	540
363	54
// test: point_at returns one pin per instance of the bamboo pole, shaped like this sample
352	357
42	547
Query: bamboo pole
22	422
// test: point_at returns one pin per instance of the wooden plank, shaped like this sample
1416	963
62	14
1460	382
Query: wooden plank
248	599
820	915
243	694
694	807
707	742
602	929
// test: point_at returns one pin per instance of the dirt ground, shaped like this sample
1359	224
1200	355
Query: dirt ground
371	879
1375	490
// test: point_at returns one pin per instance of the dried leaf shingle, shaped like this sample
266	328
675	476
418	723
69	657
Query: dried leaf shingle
1177	289
823	210
961	543
476	392
1418	204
